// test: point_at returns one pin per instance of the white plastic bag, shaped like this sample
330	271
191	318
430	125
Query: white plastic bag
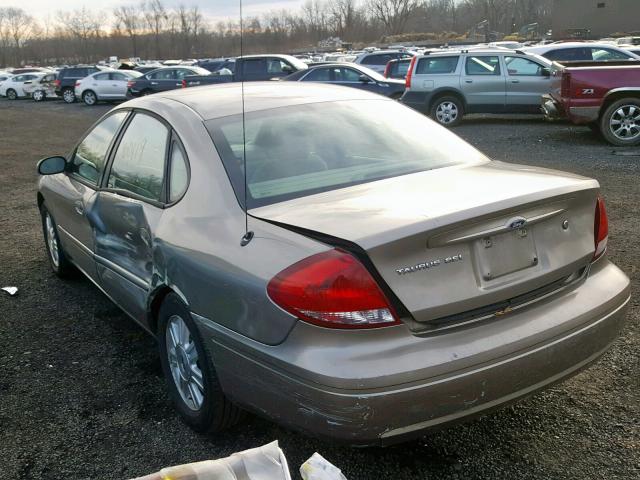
318	468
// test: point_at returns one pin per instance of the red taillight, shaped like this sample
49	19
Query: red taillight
184	84
332	289
600	228
56	83
407	82
130	83
386	70
78	83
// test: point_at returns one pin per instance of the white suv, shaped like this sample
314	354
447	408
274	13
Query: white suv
448	84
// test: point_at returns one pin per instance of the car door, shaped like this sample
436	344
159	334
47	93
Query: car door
118	85
127	211
100	84
254	69
164	80
527	81
74	193
483	83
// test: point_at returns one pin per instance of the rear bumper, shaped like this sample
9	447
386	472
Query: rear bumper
420	383
554	110
417	100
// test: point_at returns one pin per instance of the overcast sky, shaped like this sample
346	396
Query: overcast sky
213	9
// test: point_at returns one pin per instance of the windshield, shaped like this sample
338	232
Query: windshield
300	150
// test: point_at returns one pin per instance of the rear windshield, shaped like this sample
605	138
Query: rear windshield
297	151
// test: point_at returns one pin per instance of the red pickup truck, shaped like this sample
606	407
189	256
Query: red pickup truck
603	95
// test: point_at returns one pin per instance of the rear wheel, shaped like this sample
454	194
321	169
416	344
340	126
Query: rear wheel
38	96
620	123
68	95
11	94
89	98
189	371
60	265
447	111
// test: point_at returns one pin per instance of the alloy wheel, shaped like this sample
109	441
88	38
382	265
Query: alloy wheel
11	95
447	112
38	95
625	122
52	240
90	98
69	96
184	363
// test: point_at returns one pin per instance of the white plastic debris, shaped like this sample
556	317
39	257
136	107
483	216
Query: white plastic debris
263	463
10	290
318	468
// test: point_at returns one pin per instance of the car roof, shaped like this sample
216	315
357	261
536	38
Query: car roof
474	51
215	101
559	46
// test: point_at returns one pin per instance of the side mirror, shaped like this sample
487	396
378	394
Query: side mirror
364	79
52	165
546	72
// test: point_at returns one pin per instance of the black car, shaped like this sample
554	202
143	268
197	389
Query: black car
350	75
65	84
163	79
143	69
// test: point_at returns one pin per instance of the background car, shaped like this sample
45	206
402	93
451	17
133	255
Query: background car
378	59
397	68
217	64
448	84
104	86
162	79
350	75
4	76
67	78
13	88
41	88
581	52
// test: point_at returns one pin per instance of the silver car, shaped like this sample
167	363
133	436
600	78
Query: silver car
342	265
446	85
106	85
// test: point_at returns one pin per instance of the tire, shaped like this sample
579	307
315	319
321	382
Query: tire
38	96
12	94
89	98
447	111
204	409
58	260
620	122
68	95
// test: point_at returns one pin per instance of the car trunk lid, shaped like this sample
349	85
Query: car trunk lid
455	240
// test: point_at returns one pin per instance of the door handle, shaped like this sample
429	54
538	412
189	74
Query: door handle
515	81
468	81
154	83
179	84
79	208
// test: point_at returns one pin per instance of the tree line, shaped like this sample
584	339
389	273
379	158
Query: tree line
152	30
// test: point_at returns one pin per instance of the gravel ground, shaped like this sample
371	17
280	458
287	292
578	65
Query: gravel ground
81	389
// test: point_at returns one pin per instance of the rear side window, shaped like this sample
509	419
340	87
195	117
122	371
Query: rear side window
318	75
380	59
179	173
138	165
436	65
606	54
88	159
164	75
102	76
569	54
483	65
252	67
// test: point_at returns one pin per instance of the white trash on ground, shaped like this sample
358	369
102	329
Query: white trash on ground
318	468
263	463
10	290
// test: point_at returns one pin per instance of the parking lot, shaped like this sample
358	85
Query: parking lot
81	387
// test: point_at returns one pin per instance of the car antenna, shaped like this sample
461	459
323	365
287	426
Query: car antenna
246	238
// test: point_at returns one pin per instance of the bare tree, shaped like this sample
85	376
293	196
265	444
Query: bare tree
130	20
16	28
156	18
84	26
393	14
